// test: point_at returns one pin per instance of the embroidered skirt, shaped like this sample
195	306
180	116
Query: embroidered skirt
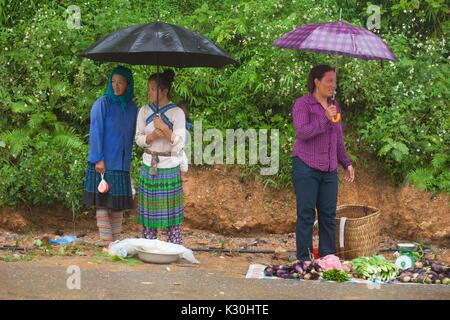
119	196
160	197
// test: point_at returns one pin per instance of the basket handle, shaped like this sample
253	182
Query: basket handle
341	231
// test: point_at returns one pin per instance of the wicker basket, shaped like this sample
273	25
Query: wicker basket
360	231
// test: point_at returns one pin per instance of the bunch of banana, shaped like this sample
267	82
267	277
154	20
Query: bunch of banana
375	267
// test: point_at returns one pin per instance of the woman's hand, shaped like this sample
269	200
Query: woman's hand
350	174
100	166
330	112
157	133
159	123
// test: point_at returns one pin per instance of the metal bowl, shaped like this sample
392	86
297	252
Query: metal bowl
153	257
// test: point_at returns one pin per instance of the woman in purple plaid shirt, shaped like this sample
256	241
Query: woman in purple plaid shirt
318	149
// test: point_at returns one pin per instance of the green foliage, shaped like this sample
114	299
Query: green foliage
398	113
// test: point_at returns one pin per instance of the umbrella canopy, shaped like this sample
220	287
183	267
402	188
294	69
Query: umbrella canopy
338	38
158	43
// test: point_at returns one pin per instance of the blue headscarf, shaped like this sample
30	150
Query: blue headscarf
129	93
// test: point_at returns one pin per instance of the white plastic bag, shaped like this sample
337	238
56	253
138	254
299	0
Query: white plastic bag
128	248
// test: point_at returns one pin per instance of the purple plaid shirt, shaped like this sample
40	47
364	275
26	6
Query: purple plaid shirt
319	142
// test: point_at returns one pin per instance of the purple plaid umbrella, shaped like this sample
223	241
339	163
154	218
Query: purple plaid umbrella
338	38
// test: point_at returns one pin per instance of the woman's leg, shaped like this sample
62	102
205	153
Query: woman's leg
326	208
306	183
116	223
149	233
175	234
104	226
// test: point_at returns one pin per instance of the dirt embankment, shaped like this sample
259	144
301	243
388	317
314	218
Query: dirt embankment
218	200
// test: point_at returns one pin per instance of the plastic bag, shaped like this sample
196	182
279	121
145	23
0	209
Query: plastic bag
128	248
133	189
63	240
103	186
330	262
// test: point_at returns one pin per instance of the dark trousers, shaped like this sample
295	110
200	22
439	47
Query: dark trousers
314	189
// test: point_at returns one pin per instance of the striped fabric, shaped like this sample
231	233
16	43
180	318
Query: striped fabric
104	226
109	225
119	196
160	197
337	38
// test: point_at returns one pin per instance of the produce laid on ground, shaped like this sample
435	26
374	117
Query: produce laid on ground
375	267
428	272
372	268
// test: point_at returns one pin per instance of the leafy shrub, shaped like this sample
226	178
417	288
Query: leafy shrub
398	113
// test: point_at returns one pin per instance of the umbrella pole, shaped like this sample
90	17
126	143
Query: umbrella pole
157	83
336	71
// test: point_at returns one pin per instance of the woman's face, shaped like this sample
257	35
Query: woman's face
327	85
119	84
152	92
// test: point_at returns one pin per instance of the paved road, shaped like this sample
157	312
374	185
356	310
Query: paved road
38	280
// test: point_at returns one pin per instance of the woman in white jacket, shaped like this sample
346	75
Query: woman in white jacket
161	132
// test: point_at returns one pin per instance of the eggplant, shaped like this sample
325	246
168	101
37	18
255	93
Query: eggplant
300	276
286	276
427	262
316	266
298	268
437	267
276	267
268	271
421	278
407	273
280	273
314	276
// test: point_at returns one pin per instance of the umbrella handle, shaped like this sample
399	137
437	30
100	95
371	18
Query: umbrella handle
338	117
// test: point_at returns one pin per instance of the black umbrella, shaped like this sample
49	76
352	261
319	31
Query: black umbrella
158	44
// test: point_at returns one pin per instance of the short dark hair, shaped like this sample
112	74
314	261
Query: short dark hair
164	79
317	72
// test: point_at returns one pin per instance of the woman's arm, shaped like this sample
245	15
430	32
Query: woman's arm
176	135
96	131
304	128
342	156
142	140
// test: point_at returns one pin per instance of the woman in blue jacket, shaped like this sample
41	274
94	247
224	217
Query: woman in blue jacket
111	137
